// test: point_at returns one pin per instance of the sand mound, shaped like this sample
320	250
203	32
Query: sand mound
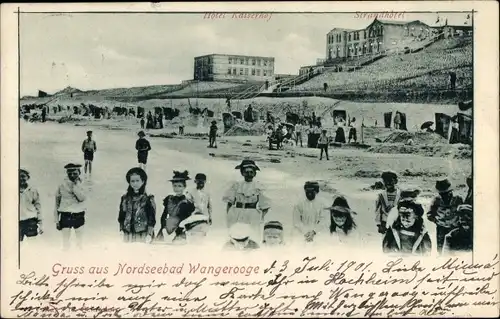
459	151
416	137
246	129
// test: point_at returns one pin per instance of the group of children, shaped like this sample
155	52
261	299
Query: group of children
187	214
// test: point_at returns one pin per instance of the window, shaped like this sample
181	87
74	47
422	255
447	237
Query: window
242	61
349	38
246	71
230	61
246	61
258	62
234	71
264	73
364	34
229	71
258	72
253	71
253	62
265	62
241	71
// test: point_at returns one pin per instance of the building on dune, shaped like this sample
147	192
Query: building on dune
384	35
227	67
380	35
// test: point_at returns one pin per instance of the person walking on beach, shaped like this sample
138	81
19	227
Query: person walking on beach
142	123
246	200
443	211
30	208
137	214
323	142
299	130
212	135
44	114
70	206
353	134
143	147
89	147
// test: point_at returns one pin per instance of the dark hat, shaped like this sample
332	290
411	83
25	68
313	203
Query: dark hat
89	132
311	184
180	176
443	185
22	170
465	209
214	122
340	205
247	163
193	220
410	203
200	177
72	166
141	133
138	171
388	175
273	225
411	193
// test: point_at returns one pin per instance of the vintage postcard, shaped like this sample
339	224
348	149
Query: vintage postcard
253	160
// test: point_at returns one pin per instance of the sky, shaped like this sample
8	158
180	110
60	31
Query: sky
99	51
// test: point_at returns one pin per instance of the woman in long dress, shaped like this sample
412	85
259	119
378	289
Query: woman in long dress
246	201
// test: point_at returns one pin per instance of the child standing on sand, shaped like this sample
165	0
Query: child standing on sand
386	200
177	207
30	222
137	215
143	147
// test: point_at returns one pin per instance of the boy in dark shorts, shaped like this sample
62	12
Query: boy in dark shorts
30	221
89	147
143	147
70	205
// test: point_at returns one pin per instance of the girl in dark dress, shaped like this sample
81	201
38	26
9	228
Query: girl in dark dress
177	207
137	213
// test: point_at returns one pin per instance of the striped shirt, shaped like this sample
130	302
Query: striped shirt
384	203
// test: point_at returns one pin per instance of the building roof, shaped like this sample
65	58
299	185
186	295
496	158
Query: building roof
393	22
236	55
341	29
396	21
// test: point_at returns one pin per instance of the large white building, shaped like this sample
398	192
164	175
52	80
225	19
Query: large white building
227	67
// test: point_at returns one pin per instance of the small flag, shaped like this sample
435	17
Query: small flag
468	16
438	19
